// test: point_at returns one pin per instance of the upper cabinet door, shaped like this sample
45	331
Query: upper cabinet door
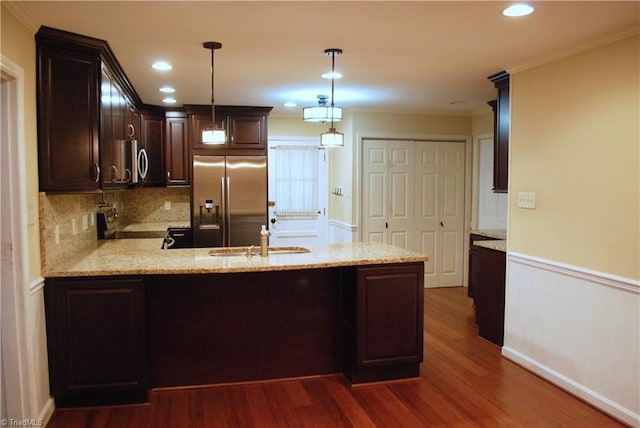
247	132
501	132
68	134
246	129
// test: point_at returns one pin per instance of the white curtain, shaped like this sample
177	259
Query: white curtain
296	178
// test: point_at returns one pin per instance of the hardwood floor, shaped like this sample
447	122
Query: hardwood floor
464	382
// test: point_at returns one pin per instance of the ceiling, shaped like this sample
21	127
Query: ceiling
406	55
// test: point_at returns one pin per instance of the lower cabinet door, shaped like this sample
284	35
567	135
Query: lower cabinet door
96	337
389	322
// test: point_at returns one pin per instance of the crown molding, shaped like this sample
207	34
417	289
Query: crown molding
602	41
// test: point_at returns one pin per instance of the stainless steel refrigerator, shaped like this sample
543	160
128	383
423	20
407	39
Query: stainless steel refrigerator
229	200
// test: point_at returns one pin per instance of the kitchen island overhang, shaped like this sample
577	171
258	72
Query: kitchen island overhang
350	308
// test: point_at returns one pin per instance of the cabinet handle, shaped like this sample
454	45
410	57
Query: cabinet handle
131	130
97	172
168	175
441	224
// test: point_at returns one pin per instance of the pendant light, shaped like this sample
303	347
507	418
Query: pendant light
213	135
322	112
332	138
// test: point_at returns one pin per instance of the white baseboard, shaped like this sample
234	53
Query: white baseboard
47	411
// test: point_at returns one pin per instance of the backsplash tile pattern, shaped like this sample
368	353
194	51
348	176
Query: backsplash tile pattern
75	217
147	205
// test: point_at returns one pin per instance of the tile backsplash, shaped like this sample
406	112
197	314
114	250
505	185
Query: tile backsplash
68	222
155	205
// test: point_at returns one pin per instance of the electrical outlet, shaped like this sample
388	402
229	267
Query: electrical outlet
527	200
74	230
167	205
92	216
85	222
56	234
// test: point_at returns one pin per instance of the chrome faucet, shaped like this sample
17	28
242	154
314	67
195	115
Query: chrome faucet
250	251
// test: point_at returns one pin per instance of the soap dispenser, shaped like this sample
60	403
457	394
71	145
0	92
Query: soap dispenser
264	241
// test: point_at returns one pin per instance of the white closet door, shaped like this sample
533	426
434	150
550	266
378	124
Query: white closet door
387	202
448	262
413	197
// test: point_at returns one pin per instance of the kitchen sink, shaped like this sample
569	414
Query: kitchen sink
255	251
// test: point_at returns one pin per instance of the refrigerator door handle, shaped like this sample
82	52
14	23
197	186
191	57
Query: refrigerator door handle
226	213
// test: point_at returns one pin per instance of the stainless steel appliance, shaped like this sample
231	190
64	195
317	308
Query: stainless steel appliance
229	200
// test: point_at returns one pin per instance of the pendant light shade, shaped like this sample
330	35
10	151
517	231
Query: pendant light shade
322	112
213	135
332	138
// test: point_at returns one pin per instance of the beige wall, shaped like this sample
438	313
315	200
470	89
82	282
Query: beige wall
19	46
575	142
482	122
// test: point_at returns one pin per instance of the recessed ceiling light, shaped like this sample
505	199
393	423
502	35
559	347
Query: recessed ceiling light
519	9
161	66
169	100
167	90
290	104
332	75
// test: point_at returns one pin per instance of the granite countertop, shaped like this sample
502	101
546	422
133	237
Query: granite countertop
498	245
145	257
491	233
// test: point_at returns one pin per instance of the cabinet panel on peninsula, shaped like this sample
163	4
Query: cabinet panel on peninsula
96	339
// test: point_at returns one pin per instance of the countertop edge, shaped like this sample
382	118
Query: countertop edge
142	257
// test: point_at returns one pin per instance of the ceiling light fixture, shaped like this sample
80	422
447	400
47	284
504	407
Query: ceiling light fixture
213	135
322	112
519	9
167	90
161	66
332	138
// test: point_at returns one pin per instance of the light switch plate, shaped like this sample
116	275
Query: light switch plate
167	205
527	200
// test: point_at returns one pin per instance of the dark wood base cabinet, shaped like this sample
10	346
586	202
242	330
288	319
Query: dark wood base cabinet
96	336
110	339
384	320
489	266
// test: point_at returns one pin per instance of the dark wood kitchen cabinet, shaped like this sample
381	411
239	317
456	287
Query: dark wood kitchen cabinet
488	267
96	337
83	97
151	138
176	149
246	129
388	323
68	125
473	263
501	132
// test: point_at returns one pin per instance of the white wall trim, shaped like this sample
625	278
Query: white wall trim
595	277
36	285
609	39
576	328
341	232
572	387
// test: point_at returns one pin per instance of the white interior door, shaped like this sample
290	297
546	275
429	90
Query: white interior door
439	213
413	197
298	192
388	193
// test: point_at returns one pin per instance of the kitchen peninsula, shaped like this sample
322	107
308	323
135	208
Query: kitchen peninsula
128	316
